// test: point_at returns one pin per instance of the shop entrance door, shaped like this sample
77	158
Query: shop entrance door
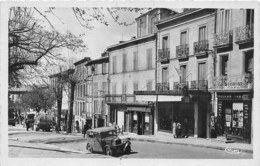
140	123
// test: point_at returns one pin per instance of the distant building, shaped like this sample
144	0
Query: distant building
97	88
80	98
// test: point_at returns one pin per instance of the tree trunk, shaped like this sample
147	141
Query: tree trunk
59	105
72	86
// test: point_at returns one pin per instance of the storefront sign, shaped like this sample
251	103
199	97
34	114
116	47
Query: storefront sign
234	96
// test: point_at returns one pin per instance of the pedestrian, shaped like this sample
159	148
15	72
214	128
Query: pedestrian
27	124
77	126
174	129
85	128
178	130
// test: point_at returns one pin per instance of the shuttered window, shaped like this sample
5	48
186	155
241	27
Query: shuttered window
149	58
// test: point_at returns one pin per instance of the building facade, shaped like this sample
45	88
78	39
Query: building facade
80	98
184	68
132	68
234	71
97	88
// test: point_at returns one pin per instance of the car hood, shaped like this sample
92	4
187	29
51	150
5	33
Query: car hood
110	138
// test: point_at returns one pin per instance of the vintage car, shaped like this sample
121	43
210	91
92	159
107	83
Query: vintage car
106	140
44	125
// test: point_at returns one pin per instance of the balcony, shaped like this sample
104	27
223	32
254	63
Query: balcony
200	47
223	39
165	86
120	98
164	55
241	82
179	86
245	34
182	51
201	85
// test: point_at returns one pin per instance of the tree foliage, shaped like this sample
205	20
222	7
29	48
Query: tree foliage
40	98
30	42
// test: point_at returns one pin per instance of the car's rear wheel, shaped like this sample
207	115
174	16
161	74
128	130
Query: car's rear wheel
109	151
37	129
89	148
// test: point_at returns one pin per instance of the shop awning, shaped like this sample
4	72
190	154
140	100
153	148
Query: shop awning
139	109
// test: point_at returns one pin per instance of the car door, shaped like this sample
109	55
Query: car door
97	143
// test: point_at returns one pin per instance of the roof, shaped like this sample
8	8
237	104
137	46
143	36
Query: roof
85	59
152	11
131	42
178	15
97	61
102	129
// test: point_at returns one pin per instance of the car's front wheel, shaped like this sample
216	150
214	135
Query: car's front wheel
89	148
128	149
109	151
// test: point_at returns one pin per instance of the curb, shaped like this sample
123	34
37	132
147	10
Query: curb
187	144
50	149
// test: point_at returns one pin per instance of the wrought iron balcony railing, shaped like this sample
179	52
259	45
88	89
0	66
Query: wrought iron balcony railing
164	54
120	98
201	85
163	86
223	38
245	33
182	51
244	81
201	46
180	86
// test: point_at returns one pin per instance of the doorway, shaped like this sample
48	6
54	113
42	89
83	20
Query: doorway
140	123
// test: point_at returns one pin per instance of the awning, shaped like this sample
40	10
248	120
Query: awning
139	109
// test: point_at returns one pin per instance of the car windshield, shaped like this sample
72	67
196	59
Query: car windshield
108	134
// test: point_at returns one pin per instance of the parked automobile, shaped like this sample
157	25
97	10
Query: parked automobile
11	117
44	125
106	140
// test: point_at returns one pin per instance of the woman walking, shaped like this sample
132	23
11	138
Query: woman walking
174	129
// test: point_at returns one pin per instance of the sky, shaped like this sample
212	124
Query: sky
98	39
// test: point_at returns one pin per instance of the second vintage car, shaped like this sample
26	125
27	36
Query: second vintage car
106	140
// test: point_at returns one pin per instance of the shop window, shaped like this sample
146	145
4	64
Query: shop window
134	124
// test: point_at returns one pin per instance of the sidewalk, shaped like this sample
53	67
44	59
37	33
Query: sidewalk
215	143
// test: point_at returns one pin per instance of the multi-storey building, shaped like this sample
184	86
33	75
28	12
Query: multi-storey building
97	88
80	99
132	68
234	69
184	68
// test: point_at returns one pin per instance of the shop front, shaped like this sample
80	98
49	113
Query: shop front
139	120
183	113
234	115
100	120
132	117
